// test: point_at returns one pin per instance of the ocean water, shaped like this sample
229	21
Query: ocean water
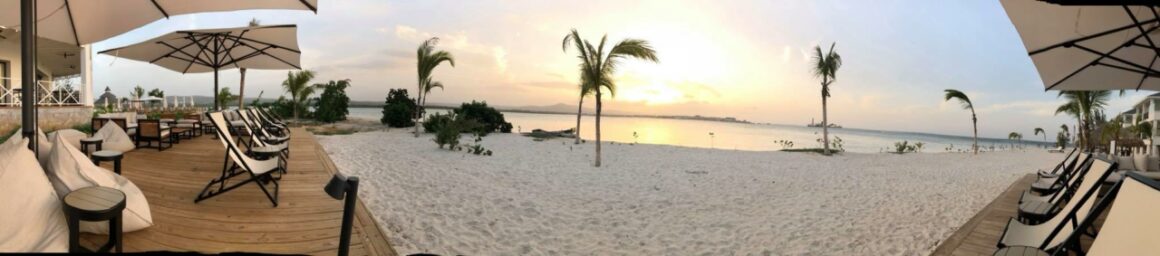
736	136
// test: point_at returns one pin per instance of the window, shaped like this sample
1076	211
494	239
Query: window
5	77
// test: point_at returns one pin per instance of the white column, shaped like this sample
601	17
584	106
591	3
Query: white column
87	75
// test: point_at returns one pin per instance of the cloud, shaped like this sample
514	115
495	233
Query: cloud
500	58
1038	108
786	53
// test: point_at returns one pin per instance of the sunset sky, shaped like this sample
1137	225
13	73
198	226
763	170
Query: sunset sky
747	59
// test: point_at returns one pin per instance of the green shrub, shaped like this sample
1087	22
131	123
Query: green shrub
281	107
450	133
399	109
332	104
903	147
437	121
489	119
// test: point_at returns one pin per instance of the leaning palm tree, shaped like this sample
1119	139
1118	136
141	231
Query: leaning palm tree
597	66
429	58
1039	131
242	83
1014	136
1065	131
966	102
825	66
297	84
584	92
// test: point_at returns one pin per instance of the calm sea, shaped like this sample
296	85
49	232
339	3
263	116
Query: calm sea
721	135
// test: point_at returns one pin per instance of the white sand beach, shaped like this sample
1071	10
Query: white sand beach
546	198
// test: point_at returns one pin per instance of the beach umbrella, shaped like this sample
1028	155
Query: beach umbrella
89	21
1090	44
212	50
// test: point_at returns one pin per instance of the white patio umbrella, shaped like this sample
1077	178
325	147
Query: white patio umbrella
211	50
1090	44
89	21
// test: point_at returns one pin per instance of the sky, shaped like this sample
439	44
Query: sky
745	59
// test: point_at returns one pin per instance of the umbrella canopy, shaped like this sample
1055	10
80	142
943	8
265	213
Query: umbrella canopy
1090	45
211	50
89	21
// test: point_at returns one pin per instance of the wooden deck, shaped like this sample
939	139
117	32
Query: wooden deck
980	235
306	221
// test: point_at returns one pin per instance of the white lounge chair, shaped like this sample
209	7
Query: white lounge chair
1053	182
1050	234
237	163
259	138
1129	228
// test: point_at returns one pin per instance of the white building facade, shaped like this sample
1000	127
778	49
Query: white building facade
64	79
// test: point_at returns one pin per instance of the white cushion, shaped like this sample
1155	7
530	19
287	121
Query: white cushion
1140	161
69	170
114	138
73	137
32	217
1126	163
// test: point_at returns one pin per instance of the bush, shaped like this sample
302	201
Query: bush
281	107
332	104
903	147
437	121
489	119
399	110
448	134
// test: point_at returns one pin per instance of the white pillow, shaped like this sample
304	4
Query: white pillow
43	147
73	137
1140	161
1126	163
114	138
32	217
70	170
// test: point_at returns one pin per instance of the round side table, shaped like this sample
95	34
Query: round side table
86	142
94	204
109	155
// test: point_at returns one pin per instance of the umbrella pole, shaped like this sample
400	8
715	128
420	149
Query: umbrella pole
28	71
215	91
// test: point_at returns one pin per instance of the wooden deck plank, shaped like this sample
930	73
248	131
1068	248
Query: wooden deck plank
306	221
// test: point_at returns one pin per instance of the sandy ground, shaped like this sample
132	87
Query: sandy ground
546	198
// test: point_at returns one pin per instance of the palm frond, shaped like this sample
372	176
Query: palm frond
962	97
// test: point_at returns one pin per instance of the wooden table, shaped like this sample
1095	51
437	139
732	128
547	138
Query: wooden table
91	141
94	204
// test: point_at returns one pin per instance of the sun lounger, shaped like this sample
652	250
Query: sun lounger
1068	162
1057	150
1130	225
1052	233
238	163
257	140
1035	208
250	116
1048	185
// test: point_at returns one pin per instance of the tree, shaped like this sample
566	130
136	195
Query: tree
242	83
598	65
137	93
966	102
1083	105
1039	131
1015	137
399	109
429	59
297	84
156	93
584	92
332	104
825	66
224	95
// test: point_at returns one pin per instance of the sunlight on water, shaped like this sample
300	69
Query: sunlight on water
736	136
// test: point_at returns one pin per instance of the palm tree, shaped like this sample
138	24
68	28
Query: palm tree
962	97
1065	131
242	84
584	91
1015	137
428	60
1083	105
1039	131
598	65
826	67
297	84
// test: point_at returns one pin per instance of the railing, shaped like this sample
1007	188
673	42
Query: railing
49	94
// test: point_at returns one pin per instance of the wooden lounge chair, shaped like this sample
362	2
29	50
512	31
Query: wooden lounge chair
237	163
1050	234
150	130
259	138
